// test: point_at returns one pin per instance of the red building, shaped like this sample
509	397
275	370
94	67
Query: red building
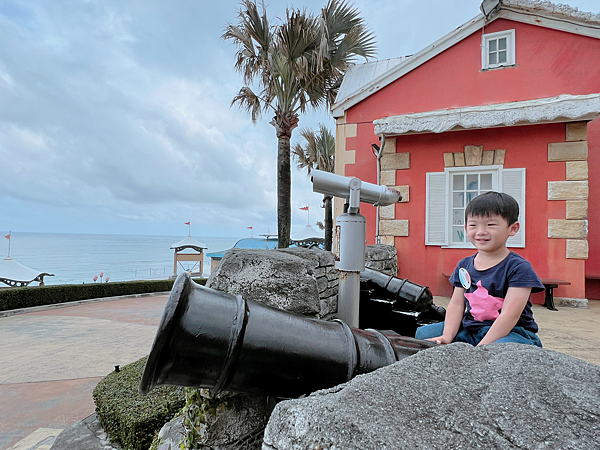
507	102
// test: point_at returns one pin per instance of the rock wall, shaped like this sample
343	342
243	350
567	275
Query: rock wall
383	258
504	396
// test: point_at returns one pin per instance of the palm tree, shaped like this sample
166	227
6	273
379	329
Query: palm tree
292	67
318	153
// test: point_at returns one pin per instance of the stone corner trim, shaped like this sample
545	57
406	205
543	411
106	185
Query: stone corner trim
568	151
576	131
577	209
393	228
567	229
577	249
568	190
395	161
576	170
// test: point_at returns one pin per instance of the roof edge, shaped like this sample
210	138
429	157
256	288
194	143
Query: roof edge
555	16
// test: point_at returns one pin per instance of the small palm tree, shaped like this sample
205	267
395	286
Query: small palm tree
318	153
296	66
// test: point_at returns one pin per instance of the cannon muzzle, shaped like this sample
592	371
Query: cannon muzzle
210	339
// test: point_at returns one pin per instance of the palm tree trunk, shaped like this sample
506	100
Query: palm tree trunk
284	191
328	222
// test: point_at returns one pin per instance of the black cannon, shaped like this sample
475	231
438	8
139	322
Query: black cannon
390	303
214	340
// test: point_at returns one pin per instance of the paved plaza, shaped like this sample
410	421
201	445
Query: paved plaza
52	358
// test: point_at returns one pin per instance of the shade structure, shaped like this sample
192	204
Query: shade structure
14	273
189	243
307	236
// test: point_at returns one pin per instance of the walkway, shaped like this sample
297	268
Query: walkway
51	360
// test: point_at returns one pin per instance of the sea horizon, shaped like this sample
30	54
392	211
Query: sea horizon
75	258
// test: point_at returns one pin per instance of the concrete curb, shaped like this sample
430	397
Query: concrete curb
31	309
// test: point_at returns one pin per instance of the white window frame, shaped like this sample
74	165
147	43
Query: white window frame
495	171
510	49
438	217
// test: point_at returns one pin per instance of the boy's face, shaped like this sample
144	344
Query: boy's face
489	234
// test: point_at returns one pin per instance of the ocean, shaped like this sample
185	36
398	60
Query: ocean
76	258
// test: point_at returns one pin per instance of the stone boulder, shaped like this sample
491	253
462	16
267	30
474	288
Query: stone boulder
503	396
300	280
383	258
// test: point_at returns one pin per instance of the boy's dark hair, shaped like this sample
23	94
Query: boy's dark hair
494	203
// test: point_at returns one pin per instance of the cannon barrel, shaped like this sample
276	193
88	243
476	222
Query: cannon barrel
407	295
214	340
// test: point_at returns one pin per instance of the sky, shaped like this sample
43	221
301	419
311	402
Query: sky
115	115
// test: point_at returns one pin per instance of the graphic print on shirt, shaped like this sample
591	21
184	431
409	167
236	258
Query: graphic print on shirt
483	305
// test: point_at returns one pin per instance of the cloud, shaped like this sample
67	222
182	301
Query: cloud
115	114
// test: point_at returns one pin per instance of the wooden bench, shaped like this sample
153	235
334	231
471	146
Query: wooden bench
549	285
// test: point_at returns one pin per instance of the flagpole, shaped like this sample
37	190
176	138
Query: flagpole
9	239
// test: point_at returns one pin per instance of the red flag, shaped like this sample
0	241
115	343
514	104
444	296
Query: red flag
304	209
187	223
249	228
7	236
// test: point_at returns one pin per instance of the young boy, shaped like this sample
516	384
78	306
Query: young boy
494	283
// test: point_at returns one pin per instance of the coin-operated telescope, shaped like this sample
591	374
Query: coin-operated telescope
352	232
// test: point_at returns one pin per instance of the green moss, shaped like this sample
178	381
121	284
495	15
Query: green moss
26	297
129	418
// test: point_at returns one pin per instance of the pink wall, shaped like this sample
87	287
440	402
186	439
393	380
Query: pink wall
549	63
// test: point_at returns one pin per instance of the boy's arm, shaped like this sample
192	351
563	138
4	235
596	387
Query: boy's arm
454	315
514	304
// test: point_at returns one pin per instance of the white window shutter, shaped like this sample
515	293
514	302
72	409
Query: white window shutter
436	221
513	184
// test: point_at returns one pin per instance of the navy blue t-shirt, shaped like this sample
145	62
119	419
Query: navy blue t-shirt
487	290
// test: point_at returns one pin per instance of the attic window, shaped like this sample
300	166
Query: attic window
498	49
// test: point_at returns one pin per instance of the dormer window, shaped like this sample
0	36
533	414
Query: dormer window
498	49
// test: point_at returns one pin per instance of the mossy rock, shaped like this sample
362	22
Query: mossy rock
130	419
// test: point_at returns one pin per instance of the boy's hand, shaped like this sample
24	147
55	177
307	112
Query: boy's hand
443	339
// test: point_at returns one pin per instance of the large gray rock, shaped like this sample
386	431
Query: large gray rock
504	396
86	434
283	279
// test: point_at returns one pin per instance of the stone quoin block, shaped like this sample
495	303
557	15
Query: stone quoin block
499	156
568	190
393	227
395	161
567	229
459	159
577	209
473	155
577	170
576	131
387	212
390	145
387	177
488	158
351	130
448	159
404	191
387	240
577	249
568	151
